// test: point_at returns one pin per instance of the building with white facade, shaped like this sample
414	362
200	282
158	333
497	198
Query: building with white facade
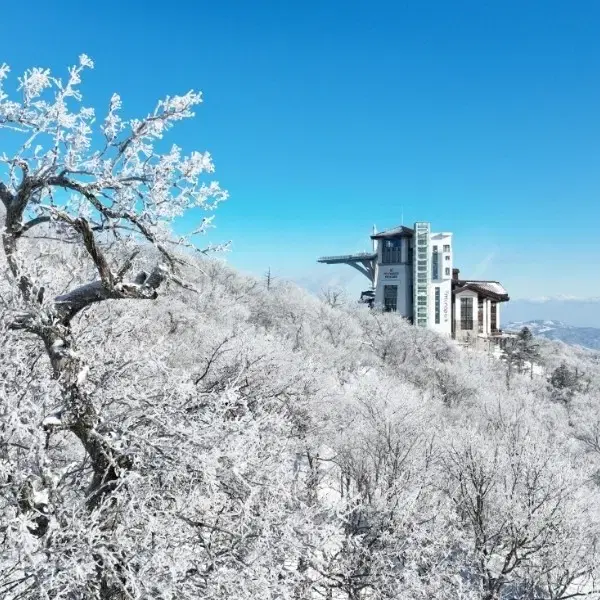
412	272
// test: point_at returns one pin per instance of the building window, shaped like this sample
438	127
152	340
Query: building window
390	298
494	317
447	257
466	314
391	253
435	264
480	314
446	247
447	271
437	305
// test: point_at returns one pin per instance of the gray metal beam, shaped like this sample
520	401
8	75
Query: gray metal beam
364	263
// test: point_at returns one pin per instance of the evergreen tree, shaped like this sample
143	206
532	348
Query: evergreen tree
528	350
520	350
564	383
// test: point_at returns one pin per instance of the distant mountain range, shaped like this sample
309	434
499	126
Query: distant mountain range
581	312
588	337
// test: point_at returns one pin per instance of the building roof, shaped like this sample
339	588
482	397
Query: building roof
401	230
492	289
491	286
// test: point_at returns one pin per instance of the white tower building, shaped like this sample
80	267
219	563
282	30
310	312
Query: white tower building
412	272
414	275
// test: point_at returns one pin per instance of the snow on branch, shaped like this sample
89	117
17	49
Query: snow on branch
113	170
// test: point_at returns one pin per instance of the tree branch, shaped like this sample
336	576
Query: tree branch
83	227
126	266
5	195
33	223
68	305
90	194
142	288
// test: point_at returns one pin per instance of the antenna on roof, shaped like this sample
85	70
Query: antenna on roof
374	242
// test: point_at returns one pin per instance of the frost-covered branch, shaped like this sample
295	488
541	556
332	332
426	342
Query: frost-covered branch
77	180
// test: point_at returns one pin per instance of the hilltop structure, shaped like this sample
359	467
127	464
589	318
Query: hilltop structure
411	272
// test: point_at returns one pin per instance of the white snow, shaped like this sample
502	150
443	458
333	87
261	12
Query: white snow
40	497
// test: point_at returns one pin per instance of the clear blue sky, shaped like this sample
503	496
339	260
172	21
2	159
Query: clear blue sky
325	118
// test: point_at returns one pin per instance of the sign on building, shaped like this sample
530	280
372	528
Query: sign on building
446	306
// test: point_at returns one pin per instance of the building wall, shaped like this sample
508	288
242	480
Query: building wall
461	334
445	324
400	275
443	282
486	315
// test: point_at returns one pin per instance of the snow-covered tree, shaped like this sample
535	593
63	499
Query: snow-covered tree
94	183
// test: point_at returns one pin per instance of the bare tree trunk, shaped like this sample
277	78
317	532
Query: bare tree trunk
53	326
508	373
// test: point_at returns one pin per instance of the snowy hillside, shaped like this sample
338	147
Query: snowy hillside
588	337
283	448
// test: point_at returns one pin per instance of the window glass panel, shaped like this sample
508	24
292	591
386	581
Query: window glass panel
392	251
466	314
435	264
390	298
493	317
